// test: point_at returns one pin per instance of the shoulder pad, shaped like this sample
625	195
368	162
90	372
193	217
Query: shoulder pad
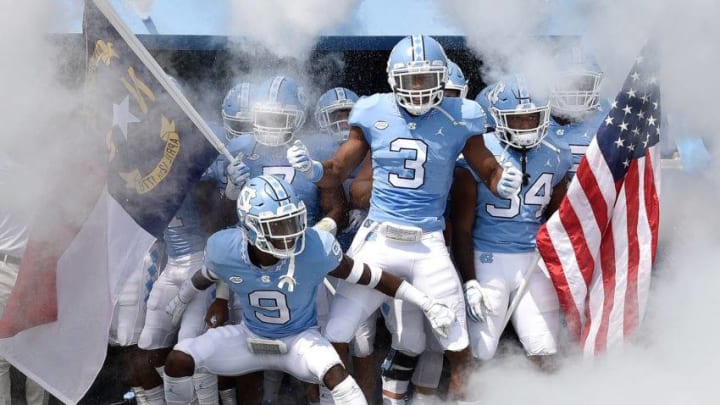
471	110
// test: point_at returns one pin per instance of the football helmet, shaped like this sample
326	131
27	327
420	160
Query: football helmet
417	72
456	81
520	121
332	111
236	112
576	88
278	110
272	215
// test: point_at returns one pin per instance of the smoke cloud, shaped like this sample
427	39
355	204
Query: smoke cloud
671	358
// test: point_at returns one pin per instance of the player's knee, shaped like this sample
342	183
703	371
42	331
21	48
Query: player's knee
363	344
338	331
484	351
398	365
179	364
334	376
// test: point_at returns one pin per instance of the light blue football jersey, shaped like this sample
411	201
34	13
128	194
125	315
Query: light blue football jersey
413	157
578	135
510	225
263	159
269	311
185	233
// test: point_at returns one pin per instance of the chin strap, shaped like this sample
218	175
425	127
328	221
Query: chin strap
289	279
448	115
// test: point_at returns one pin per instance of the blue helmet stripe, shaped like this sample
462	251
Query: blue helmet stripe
340	93
281	195
275	88
418	48
245	94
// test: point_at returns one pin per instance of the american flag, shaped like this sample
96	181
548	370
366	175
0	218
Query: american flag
599	246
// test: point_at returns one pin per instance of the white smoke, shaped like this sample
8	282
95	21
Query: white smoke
287	28
36	105
672	360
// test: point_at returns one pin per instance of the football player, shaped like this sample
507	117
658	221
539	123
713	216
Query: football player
493	241
576	110
426	375
415	136
277	113
275	263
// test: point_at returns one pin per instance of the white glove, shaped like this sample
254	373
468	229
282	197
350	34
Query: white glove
299	157
440	316
237	171
326	224
510	181
355	219
477	308
176	307
237	175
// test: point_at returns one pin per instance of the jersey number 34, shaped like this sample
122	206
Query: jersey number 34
538	196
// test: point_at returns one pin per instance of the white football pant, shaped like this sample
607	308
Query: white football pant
537	317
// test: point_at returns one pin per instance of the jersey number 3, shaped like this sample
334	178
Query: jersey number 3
416	165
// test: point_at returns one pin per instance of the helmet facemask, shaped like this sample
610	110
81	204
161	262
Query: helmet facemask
419	86
523	127
240	124
275	125
575	94
280	234
334	119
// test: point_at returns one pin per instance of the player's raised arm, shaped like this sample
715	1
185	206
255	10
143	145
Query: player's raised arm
332	172
439	315
504	181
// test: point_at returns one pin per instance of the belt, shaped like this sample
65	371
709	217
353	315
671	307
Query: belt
6	258
400	233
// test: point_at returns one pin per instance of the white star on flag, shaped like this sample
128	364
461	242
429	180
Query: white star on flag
122	116
609	120
635	76
631	93
627	109
620	143
651	120
623	126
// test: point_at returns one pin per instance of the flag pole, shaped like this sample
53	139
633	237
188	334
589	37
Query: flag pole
151	64
521	289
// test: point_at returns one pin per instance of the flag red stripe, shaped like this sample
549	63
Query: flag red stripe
652	201
607	266
592	190
555	269
632	195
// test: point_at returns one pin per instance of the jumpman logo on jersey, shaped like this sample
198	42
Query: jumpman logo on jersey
440	132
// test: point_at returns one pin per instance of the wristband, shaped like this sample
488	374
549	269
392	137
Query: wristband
408	292
222	291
